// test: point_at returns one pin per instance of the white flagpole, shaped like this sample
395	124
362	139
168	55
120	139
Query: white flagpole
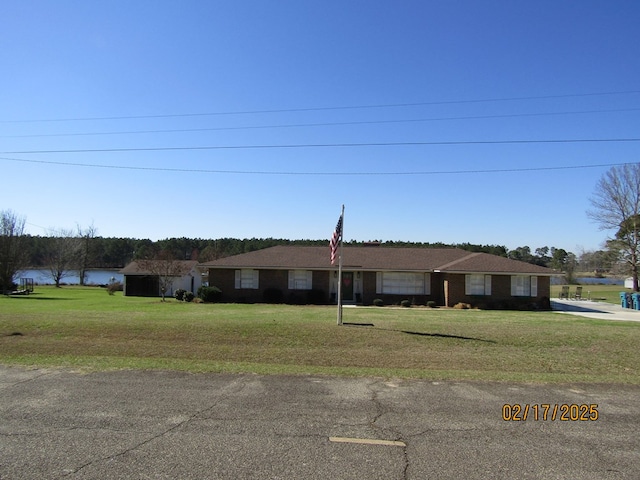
340	270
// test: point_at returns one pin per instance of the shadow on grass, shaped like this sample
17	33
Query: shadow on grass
443	335
35	296
439	335
421	334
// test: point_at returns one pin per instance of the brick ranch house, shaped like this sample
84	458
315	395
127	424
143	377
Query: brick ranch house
447	276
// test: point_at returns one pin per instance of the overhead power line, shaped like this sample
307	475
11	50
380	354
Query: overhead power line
322	124
318	109
324	145
292	173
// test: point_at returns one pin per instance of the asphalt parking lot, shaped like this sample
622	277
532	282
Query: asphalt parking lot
131	424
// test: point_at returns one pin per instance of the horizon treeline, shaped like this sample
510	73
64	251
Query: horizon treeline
115	252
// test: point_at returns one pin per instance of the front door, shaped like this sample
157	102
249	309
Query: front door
347	286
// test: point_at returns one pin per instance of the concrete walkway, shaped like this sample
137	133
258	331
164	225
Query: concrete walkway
591	309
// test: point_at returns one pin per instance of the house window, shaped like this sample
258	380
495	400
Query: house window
524	286
403	283
477	284
247	278
300	279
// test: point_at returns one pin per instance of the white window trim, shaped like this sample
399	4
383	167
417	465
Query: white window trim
421	287
481	285
524	286
247	279
300	279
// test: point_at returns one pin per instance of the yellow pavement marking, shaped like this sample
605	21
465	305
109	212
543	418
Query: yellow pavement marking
367	441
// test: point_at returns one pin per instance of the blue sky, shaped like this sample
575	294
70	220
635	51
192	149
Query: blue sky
399	110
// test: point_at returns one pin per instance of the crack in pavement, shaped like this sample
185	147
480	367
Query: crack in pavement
151	439
30	379
64	429
132	448
397	435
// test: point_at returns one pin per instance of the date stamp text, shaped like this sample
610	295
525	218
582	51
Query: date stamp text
565	412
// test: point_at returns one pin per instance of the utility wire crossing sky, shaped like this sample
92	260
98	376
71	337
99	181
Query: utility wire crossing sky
431	121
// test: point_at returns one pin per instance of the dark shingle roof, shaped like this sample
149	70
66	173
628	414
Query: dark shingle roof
378	258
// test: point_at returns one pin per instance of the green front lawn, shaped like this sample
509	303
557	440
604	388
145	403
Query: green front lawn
85	328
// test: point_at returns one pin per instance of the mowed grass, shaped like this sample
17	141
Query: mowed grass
87	329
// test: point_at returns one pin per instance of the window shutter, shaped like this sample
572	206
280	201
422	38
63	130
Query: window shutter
487	284
292	279
309	279
514	286
255	278
238	277
534	286
378	282
427	284
467	284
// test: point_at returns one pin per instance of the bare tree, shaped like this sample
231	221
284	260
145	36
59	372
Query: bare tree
616	206
12	248
86	250
62	255
165	267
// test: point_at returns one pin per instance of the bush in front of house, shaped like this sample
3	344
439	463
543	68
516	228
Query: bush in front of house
114	287
316	297
431	304
179	294
462	306
378	302
405	303
188	296
209	294
296	297
272	295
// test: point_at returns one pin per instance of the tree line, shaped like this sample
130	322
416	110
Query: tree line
115	252
64	250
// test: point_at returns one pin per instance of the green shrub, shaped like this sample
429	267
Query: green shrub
316	297
431	304
405	303
209	294
188	296
179	294
296	297
378	302
272	295
114	287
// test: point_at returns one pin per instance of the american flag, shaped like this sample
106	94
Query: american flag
335	240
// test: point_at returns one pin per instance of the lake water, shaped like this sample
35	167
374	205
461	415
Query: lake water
93	277
589	281
600	281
